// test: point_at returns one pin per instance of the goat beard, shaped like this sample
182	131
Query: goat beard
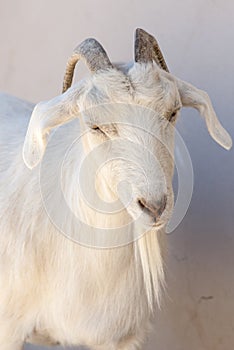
150	252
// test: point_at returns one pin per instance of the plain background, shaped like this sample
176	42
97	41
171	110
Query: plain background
197	38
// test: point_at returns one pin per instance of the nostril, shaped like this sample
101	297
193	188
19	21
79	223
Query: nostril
141	203
154	210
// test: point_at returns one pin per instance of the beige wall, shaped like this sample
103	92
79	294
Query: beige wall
197	38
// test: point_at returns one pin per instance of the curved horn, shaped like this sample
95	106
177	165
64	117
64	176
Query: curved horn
94	55
147	49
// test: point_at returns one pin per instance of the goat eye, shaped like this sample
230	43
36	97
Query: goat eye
172	116
96	128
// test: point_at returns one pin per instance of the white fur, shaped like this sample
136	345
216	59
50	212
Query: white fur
53	289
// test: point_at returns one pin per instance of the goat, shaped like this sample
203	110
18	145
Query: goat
58	286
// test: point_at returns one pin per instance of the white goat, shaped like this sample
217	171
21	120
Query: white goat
54	290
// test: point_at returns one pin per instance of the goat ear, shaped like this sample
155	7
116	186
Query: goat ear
45	117
193	97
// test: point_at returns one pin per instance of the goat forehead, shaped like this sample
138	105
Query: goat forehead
144	86
113	84
123	116
150	80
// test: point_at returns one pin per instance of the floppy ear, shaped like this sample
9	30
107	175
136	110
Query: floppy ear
46	116
193	97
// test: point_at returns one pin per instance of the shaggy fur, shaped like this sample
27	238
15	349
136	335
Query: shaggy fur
52	289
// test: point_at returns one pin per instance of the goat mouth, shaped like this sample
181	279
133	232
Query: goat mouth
159	224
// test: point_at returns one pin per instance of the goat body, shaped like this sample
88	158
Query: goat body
53	289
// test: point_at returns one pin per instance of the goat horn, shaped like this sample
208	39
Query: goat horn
147	49
94	56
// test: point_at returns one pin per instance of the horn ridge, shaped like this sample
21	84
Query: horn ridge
94	55
147	49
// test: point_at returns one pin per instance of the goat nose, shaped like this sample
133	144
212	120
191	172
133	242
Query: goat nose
155	210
